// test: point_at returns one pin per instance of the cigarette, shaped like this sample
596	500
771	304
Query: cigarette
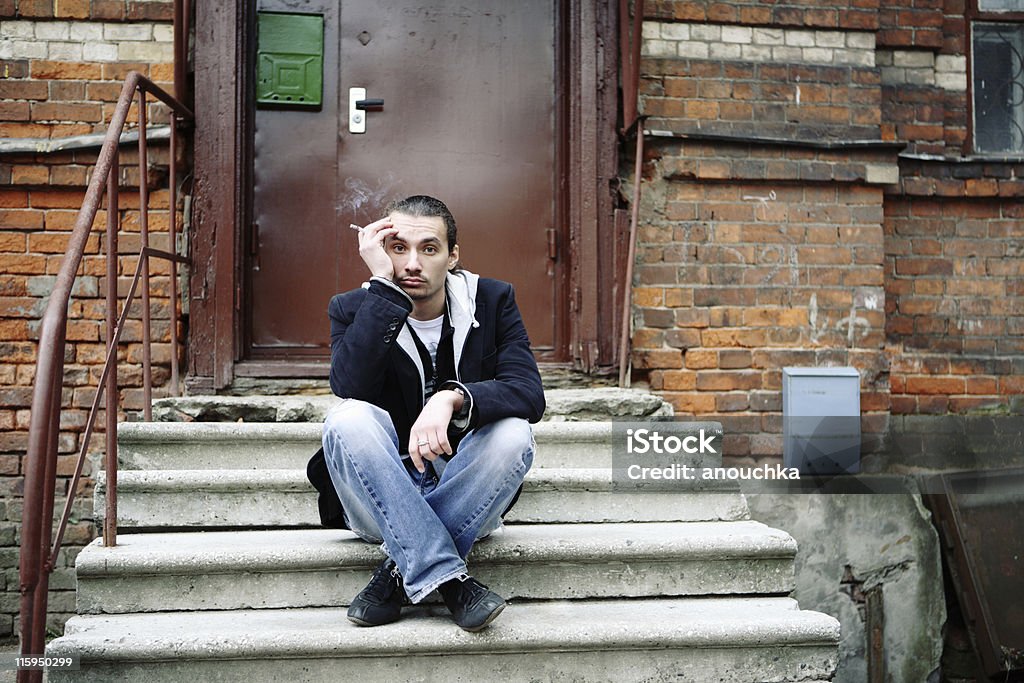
355	227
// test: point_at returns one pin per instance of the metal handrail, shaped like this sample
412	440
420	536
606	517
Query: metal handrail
38	560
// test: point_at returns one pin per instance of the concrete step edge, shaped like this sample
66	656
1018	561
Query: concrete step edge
525	627
538	479
309	550
163	433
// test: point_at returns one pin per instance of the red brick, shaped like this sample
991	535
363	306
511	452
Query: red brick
903	405
65	111
106	9
679	380
733	338
721	12
663	358
76	176
23	90
935	385
690	403
821	18
28	219
895	38
66	70
35	8
15	111
732	402
23	264
12	242
731	359
24	174
16	397
874	401
683	339
57	199
72	9
728	381
24	130
13	330
150	11
1011	384
970	404
701	359
57	243
981	385
858	20
923	266
932	405
774	317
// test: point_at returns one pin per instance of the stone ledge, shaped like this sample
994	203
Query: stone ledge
602	403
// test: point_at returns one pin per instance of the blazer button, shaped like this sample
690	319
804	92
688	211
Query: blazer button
387	339
392	327
394	321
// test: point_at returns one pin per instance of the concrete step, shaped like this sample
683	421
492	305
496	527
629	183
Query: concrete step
255	445
311	568
168	499
593	403
730	640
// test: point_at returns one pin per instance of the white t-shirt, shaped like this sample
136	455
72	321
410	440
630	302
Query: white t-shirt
429	332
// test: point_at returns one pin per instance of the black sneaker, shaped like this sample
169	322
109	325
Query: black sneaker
382	599
472	605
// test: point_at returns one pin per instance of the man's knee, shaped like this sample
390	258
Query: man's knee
356	428
510	440
352	416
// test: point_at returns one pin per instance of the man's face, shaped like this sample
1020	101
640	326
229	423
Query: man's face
419	252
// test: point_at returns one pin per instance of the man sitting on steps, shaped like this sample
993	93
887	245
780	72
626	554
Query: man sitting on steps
429	449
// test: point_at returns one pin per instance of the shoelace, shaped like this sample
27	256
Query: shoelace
385	581
474	589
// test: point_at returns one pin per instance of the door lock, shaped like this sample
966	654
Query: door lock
357	106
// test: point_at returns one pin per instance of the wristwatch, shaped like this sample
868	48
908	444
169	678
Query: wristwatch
462	413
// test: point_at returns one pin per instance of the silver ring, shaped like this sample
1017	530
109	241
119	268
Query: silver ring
422	443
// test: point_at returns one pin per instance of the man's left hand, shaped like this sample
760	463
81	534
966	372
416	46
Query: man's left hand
428	438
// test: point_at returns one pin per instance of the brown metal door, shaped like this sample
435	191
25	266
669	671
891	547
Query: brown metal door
469	116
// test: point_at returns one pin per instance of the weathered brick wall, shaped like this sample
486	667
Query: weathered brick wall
740	279
954	256
765	251
62	65
761	247
955	304
764	81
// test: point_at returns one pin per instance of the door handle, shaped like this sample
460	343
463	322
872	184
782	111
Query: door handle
357	106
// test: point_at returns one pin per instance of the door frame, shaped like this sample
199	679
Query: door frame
586	40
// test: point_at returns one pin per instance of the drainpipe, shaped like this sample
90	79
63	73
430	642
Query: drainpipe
630	108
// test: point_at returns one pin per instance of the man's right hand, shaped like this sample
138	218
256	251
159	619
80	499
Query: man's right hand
371	247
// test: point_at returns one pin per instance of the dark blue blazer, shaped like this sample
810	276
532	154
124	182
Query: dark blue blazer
496	366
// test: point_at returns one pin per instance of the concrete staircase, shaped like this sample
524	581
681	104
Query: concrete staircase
230	578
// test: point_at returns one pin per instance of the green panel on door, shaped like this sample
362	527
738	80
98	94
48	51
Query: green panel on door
290	60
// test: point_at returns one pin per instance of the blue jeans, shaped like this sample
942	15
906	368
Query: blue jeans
427	522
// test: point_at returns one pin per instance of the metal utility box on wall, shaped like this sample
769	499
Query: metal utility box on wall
290	60
821	420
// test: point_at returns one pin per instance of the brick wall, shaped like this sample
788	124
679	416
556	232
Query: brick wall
955	304
766	241
62	65
740	279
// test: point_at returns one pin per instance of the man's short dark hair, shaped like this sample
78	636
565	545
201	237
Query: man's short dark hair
425	206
